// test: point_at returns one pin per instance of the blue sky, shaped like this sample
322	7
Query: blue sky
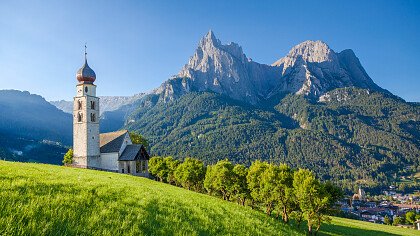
134	46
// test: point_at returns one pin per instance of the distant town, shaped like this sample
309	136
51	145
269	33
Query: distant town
389	208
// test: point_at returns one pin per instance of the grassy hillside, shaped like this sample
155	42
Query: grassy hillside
37	199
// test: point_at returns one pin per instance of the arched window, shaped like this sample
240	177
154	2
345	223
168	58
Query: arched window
79	104
92	105
86	89
79	117
92	117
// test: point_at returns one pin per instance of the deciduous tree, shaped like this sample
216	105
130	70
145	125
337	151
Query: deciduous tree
68	157
253	179
137	138
190	174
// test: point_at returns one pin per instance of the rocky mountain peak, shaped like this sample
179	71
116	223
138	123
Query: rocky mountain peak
308	52
209	41
312	51
310	68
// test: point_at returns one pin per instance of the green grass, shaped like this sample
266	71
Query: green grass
341	226
37	199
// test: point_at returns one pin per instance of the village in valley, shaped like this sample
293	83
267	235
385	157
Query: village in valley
386	208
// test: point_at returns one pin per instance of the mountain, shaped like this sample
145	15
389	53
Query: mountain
311	68
108	103
313	108
222	69
31	129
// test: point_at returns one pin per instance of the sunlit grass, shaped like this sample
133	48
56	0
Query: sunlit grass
37	199
44	199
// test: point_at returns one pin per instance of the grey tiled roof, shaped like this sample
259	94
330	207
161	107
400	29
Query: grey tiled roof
112	142
134	152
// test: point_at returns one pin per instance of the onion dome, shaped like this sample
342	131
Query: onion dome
86	74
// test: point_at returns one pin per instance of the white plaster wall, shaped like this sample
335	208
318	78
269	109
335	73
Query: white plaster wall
91	90
109	161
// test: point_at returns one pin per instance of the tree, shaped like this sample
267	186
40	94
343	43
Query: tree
171	166
68	157
240	186
312	198
387	220
284	193
410	217
158	168
253	179
137	138
219	178
268	187
398	221
190	174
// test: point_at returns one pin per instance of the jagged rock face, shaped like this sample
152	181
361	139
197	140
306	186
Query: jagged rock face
312	68
222	69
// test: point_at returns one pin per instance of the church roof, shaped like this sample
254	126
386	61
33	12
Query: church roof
112	142
134	152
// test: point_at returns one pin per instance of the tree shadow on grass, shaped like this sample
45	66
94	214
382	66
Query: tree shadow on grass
330	229
203	220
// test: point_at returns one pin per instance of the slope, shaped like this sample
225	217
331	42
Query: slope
31	129
65	201
56	200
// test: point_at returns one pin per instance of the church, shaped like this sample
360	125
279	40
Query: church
112	151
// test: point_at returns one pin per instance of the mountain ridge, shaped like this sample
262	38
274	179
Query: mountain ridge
310	68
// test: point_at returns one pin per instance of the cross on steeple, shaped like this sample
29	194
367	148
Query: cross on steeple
85	52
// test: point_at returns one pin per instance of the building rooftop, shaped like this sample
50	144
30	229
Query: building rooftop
112	142
134	152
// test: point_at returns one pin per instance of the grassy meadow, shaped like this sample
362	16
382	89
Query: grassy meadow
38	199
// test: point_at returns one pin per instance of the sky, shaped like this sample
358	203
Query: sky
134	46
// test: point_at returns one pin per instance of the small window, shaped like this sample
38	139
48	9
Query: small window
92	105
143	167
86	89
137	166
92	117
79	117
128	168
79	104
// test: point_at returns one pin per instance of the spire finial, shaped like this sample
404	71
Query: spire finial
85	52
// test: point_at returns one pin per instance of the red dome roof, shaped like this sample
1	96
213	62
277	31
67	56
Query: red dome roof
86	74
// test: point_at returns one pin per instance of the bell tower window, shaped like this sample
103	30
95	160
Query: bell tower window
79	117
92	105
86	89
79	105
92	117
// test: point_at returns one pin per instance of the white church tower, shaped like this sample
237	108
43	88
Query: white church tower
86	152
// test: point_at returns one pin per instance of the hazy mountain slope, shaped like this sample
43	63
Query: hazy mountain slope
31	129
107	103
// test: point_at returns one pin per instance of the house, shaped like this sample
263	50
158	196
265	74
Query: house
108	151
